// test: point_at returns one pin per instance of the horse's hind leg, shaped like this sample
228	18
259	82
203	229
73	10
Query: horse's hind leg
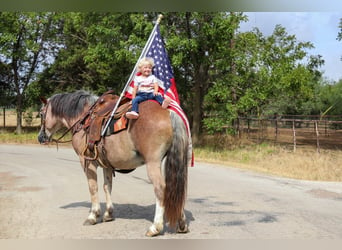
158	222
182	226
95	210
107	187
154	174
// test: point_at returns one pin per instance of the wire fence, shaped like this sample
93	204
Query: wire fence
8	118
294	130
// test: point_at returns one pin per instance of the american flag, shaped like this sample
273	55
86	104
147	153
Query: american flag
167	84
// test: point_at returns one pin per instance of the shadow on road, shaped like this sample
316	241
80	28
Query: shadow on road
127	211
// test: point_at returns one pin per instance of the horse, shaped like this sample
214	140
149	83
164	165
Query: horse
158	139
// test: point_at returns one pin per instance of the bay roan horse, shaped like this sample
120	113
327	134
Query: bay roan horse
158	140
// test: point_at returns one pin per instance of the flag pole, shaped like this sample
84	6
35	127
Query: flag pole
143	53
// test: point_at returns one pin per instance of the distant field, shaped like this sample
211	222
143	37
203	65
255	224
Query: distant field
11	119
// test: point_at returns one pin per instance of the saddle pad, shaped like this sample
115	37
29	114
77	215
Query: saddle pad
116	125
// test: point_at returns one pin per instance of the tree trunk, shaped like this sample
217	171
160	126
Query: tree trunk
200	80
197	110
4	118
19	114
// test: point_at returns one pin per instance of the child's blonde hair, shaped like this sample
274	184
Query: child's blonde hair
146	61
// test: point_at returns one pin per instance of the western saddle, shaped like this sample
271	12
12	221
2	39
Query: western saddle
97	117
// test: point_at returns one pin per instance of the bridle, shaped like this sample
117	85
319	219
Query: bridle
42	114
43	126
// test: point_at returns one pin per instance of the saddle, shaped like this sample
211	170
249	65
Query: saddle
97	116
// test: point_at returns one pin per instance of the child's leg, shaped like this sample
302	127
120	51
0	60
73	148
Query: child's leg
134	113
135	103
163	102
159	99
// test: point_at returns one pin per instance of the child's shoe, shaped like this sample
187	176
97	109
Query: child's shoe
166	102
132	115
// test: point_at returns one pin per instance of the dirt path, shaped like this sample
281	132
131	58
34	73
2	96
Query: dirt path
44	195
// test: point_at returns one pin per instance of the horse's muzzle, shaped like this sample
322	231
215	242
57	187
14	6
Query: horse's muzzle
43	138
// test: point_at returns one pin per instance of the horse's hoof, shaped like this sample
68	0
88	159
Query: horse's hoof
89	222
149	233
183	229
153	231
107	218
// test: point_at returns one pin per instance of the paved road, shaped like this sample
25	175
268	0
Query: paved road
44	195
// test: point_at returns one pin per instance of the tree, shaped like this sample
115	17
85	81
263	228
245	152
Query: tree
6	90
99	52
268	74
28	42
198	44
330	99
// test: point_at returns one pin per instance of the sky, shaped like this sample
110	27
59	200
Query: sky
319	28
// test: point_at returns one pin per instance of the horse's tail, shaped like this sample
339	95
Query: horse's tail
176	172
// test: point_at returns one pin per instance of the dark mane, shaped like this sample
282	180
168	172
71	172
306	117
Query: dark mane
71	105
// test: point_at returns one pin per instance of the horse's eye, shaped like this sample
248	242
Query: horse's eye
41	113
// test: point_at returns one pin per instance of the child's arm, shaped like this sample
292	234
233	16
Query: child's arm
134	92
156	88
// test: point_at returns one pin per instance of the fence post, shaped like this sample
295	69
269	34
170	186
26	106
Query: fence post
317	136
248	127
294	135
326	127
238	127
276	127
4	113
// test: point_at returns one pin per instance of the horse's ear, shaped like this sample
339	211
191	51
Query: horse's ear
43	100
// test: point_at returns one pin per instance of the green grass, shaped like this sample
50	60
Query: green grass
15	138
24	138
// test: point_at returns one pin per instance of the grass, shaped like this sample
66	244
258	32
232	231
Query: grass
30	137
305	163
25	138
278	160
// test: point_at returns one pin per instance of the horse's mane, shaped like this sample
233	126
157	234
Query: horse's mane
71	105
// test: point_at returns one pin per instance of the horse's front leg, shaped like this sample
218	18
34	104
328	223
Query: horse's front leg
95	211
107	187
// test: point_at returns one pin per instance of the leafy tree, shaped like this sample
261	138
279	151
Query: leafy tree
99	52
199	43
27	44
6	90
269	74
330	99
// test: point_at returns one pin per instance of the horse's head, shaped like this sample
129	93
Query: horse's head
62	110
49	123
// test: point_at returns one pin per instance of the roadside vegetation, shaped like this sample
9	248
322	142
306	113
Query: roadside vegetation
278	160
304	164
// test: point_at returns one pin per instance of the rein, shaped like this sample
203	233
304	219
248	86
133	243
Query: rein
64	134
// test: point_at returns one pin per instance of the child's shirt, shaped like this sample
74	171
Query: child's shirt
145	84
